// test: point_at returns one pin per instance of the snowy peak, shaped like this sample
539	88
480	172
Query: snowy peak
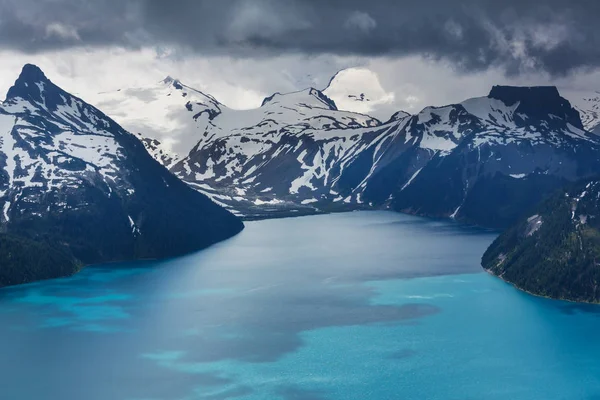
438	118
398	116
537	103
31	73
170	81
309	98
197	102
442	128
184	91
35	95
32	85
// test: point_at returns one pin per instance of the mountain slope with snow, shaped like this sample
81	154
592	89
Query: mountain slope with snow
72	177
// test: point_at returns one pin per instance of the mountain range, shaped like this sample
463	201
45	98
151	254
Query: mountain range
485	160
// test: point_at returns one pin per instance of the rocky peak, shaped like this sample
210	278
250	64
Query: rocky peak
29	85
537	102
170	81
33	86
303	97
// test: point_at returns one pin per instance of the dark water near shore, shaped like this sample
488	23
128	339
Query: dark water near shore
365	305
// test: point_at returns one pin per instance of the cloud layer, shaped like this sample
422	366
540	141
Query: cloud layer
554	35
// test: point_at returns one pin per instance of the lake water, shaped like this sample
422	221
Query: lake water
365	305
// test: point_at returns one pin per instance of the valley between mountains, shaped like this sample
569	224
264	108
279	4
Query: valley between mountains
79	186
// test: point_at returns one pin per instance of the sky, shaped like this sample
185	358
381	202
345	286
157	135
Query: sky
404	55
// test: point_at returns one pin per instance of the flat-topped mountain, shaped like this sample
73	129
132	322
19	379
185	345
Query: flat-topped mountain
537	102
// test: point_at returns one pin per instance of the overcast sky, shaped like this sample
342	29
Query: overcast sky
405	54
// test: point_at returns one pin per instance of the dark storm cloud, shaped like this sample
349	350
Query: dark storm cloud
35	25
553	35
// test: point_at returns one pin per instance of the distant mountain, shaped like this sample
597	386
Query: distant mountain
75	182
555	250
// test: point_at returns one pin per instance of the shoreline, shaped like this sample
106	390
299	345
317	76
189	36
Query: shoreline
514	285
81	266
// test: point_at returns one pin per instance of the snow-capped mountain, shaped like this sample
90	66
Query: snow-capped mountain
72	175
483	160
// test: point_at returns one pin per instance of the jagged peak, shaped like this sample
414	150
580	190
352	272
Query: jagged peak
32	73
38	94
397	116
178	85
170	81
298	97
25	85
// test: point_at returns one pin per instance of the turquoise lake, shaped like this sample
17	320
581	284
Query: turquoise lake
355	306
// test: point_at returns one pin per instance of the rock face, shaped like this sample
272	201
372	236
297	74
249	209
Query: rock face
73	179
555	251
536	104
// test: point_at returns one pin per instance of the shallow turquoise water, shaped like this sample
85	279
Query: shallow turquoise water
368	305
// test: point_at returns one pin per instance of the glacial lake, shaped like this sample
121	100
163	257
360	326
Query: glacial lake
356	306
